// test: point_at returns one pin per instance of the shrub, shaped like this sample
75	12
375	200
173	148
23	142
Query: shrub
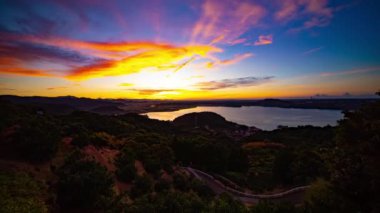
20	193
142	185
125	163
36	139
180	182
268	207
161	185
83	184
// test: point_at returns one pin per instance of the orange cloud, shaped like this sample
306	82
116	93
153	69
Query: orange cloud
101	49
235	59
264	40
9	65
55	88
24	71
158	59
119	58
150	92
226	20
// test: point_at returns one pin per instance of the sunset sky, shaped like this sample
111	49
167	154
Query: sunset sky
190	49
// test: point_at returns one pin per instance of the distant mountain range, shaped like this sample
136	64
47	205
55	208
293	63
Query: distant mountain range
67	104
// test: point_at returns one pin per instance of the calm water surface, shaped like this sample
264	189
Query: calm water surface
266	118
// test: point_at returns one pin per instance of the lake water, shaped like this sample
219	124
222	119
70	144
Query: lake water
266	118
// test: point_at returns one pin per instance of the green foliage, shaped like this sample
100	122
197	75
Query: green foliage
282	168
36	139
81	139
302	137
127	172
154	157
179	202
226	204
169	202
160	156
321	197
216	153
150	138
85	137
201	189
141	185
162	185
181	182
307	166
10	113
95	123
300	161
83	184
20	193
238	160
148	125
125	163
268	207
141	205
261	166
355	170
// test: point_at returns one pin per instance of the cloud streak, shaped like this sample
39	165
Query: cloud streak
316	13
234	60
149	92
352	71
225	21
22	71
55	88
233	83
96	59
311	51
264	40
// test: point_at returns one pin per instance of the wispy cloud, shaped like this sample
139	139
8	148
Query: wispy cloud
315	13
150	92
352	71
233	83
237	41
311	51
24	71
344	95
264	40
55	88
314	22
7	89
287	10
235	59
225	21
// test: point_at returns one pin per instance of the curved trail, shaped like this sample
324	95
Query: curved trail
294	195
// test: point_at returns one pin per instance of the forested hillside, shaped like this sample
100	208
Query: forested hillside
86	162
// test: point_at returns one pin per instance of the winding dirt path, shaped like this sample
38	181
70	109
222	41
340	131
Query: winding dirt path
294	196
